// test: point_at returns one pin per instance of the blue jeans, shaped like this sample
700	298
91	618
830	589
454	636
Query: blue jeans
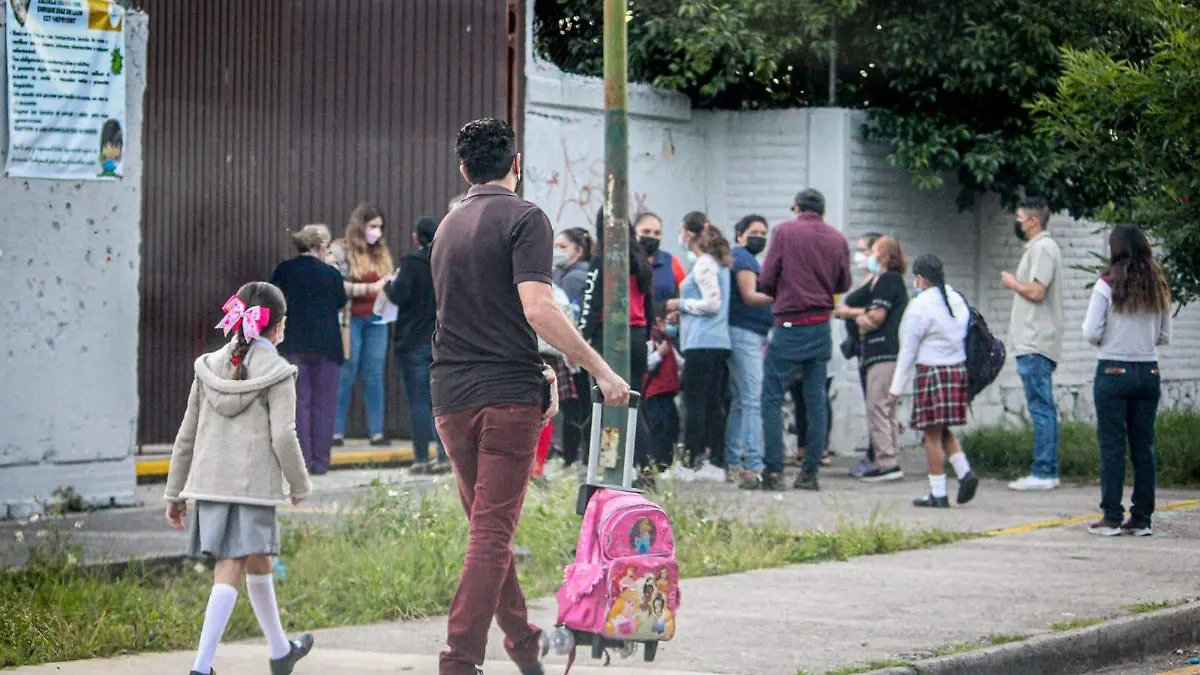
805	350
1037	374
368	351
416	365
1127	397
743	437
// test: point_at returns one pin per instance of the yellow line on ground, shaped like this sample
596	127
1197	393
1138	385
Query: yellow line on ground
157	468
1190	670
1077	520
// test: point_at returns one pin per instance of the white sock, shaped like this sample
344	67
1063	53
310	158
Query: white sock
937	485
261	590
961	466
220	607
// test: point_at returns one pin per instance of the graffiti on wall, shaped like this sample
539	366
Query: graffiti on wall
571	189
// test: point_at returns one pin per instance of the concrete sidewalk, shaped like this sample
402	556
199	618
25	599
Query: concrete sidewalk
243	659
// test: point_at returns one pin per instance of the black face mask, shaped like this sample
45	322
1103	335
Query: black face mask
650	244
1018	231
756	245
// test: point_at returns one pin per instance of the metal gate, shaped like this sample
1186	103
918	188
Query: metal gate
264	116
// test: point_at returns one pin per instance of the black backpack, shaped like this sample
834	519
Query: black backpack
985	355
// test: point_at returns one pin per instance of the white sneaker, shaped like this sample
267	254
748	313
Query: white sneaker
1033	484
710	473
678	473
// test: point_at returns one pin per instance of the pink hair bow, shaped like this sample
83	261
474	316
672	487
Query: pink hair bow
252	320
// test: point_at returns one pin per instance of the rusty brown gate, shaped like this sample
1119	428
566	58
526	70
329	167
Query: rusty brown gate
263	116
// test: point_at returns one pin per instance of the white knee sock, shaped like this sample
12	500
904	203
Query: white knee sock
937	485
961	466
220	607
261	590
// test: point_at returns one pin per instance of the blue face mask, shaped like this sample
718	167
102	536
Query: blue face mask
873	265
692	257
917	287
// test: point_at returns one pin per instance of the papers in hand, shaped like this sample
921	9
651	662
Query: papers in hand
384	309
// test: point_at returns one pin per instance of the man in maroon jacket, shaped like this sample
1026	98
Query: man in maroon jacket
807	263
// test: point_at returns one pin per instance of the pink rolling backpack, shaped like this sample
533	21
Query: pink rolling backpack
623	588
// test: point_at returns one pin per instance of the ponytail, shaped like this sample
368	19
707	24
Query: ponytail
237	356
258	308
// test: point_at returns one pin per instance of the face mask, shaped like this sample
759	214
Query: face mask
373	236
1020	233
560	258
692	257
756	245
650	244
873	265
917	287
860	260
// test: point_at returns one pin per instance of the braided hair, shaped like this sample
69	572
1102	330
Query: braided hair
261	294
930	267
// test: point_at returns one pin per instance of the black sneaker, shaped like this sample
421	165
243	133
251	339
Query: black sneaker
338	441
966	487
773	482
931	502
381	442
1136	528
751	481
877	475
300	649
806	481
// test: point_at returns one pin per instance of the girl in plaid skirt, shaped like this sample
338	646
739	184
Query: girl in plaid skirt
932	344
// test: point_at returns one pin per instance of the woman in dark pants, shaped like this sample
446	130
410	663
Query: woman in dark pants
412	293
1128	317
313	342
572	262
641	317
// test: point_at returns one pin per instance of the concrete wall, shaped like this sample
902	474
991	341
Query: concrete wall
731	163
70	260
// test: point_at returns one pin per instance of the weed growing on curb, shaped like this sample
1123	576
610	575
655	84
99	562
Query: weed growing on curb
1075	624
1147	607
868	667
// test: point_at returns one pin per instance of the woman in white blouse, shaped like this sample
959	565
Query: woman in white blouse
1128	317
932	343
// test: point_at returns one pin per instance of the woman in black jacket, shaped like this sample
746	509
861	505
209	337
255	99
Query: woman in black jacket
641	317
412	293
315	294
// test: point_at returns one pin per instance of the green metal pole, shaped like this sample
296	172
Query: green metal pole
616	224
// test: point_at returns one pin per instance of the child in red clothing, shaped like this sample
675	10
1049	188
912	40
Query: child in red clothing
661	385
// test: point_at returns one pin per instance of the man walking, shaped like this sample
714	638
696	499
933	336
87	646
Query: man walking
807	263
492	264
1035	335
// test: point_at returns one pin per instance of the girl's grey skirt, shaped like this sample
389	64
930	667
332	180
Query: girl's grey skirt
228	531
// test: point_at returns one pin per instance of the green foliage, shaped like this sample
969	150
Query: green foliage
1007	451
1130	130
1075	624
396	556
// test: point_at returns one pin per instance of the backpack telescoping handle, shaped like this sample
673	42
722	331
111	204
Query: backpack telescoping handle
593	469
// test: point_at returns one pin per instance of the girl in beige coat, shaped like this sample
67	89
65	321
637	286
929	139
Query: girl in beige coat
235	448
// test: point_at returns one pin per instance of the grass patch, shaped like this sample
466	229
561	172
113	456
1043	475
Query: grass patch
1007	451
868	667
1075	624
1147	607
398	556
983	643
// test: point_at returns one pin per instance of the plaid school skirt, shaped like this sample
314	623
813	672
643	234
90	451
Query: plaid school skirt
940	396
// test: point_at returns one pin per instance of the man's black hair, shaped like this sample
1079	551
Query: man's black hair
1038	208
486	148
810	201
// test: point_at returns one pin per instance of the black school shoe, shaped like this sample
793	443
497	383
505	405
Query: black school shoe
300	649
806	481
931	502
966	488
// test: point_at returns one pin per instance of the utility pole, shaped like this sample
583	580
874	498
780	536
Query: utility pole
616	224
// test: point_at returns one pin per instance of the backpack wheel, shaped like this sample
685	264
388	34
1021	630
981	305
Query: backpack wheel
597	646
562	641
627	649
650	652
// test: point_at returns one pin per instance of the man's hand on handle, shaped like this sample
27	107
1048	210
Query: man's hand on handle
615	390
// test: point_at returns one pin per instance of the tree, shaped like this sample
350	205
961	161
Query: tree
945	82
1129	133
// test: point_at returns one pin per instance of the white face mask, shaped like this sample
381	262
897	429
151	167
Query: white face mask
560	258
373	236
860	260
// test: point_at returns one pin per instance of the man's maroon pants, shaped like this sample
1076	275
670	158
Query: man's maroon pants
492	451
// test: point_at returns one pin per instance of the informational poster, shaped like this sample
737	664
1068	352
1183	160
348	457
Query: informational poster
66	88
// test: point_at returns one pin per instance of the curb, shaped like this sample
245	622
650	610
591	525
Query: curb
1079	651
157	468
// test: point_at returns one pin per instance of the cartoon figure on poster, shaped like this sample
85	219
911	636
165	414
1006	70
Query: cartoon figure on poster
112	145
641	610
641	538
20	9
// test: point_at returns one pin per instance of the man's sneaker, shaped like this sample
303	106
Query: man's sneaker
931	502
1135	528
1103	528
861	468
878	475
751	481
1033	484
967	485
773	482
300	649
806	481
